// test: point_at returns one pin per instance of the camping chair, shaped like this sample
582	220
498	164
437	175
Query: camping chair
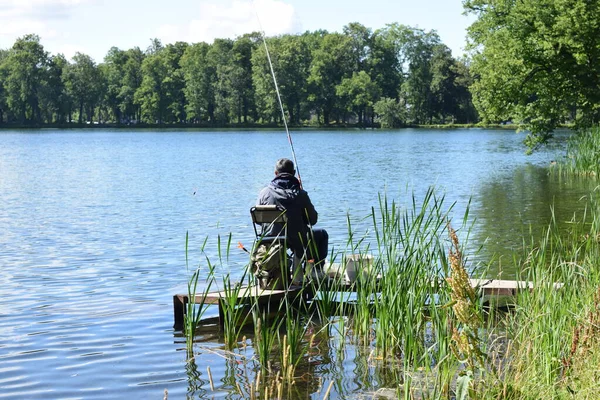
270	258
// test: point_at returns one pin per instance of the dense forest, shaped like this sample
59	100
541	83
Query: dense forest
390	77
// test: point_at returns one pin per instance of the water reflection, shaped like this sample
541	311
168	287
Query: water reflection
514	209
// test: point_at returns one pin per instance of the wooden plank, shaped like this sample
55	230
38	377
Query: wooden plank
245	295
499	287
249	294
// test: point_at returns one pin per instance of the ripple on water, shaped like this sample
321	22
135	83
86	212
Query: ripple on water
93	241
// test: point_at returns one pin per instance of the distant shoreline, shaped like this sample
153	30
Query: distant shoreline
208	126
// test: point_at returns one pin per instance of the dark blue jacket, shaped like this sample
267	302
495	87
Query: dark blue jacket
285	191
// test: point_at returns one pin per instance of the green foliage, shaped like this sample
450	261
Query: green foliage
359	93
84	84
392	113
199	78
24	72
323	78
160	94
583	155
536	63
332	62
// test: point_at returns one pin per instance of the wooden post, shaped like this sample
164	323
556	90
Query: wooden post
179	310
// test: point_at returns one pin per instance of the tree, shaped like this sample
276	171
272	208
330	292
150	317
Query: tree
332	61
417	85
536	63
384	66
290	55
175	82
160	94
242	90
360	93
53	98
443	84
84	84
24	71
151	96
360	37
113	70
198	78
464	110
3	105
413	49
131	80
391	112
219	58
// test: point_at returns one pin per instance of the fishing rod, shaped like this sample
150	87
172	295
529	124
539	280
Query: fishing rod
287	131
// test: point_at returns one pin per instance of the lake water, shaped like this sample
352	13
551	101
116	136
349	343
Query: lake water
93	226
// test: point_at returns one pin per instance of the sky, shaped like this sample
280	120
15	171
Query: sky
94	26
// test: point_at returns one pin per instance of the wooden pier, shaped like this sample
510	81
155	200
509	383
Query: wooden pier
248	295
245	295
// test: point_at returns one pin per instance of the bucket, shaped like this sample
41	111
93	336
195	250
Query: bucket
357	264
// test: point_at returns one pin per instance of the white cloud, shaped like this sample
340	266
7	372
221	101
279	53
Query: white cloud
231	19
20	17
37	8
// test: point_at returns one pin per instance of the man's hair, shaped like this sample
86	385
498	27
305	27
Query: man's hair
285	165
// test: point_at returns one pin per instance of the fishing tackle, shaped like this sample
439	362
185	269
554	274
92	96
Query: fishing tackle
287	131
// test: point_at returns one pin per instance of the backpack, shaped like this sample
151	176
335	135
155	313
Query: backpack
270	266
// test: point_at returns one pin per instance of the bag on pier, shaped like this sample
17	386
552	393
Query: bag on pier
270	266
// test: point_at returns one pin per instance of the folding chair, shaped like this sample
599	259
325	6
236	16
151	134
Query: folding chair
270	258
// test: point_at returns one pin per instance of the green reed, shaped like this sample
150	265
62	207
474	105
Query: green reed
265	338
411	246
409	320
583	155
194	313
543	335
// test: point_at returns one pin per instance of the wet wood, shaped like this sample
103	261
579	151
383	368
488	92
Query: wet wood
247	295
244	296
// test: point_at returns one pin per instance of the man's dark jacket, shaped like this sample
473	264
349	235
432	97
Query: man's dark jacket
285	191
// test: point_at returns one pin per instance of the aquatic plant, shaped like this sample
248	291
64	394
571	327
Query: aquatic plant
194	313
411	248
583	155
419	326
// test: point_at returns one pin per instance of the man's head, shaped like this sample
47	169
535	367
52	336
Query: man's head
284	165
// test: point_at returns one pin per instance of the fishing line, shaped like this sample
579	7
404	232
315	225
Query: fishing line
287	131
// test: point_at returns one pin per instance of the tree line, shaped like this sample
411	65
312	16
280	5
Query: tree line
394	76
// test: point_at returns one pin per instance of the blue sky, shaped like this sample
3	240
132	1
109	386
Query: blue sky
93	26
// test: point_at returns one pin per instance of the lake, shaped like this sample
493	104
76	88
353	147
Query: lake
93	228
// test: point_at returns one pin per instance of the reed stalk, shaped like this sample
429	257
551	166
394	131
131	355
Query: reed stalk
195	312
418	330
583	155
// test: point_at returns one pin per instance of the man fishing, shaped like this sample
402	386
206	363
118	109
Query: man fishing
286	192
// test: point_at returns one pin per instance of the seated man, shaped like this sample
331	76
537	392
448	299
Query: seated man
285	191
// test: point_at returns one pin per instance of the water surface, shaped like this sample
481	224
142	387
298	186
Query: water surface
93	226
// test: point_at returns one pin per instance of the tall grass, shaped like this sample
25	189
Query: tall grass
417	324
541	334
194	313
583	155
412	253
